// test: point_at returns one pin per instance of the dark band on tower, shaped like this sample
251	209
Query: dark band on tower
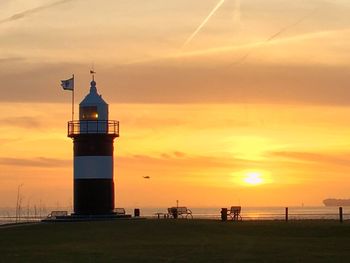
93	136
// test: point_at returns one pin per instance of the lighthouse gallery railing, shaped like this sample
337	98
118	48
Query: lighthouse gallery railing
93	127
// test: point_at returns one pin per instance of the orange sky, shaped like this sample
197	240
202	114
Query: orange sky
262	88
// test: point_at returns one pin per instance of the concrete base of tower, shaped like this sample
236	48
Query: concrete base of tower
93	197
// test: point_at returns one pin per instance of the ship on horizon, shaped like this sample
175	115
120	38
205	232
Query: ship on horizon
336	202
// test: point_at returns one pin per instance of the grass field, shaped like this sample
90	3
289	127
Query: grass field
177	241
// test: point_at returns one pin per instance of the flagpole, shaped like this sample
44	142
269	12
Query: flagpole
73	100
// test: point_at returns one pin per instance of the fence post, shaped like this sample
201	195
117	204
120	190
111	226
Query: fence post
286	214
341	214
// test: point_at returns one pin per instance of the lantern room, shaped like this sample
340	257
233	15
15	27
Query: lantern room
93	107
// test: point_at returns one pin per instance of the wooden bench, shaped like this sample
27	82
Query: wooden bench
55	214
235	213
119	211
160	215
179	211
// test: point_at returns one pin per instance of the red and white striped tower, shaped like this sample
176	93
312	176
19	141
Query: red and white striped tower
93	136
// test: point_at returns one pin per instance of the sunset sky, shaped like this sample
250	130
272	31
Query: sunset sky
209	94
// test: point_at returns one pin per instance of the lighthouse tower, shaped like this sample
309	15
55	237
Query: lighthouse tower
93	136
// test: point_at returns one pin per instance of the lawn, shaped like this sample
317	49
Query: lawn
177	241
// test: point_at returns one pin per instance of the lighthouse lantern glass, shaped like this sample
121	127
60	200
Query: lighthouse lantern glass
88	113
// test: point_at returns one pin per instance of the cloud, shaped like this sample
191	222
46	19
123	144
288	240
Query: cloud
341	159
32	11
180	161
179	154
11	59
174	154
42	162
26	122
4	141
249	83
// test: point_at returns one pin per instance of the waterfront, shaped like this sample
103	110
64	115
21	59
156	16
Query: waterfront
8	215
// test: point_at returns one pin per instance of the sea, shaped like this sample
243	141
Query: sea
9	215
261	213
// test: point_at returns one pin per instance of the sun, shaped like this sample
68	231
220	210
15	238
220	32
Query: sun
253	178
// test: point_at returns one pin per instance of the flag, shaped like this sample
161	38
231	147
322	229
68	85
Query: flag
68	84
92	72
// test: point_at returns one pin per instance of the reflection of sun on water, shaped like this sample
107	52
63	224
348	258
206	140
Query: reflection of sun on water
253	178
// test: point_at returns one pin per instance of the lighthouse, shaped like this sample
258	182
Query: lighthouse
93	137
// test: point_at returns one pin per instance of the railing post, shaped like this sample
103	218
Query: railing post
340	214
286	214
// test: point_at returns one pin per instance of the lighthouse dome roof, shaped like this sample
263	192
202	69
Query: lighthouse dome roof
93	98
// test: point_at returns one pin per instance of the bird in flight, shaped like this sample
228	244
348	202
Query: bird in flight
146	177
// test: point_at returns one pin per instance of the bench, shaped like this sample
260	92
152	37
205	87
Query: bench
179	211
235	213
160	215
119	211
55	214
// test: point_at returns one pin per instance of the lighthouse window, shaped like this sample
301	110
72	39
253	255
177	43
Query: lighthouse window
88	113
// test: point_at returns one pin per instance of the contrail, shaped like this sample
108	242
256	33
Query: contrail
32	11
205	21
282	30
237	12
221	49
272	37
